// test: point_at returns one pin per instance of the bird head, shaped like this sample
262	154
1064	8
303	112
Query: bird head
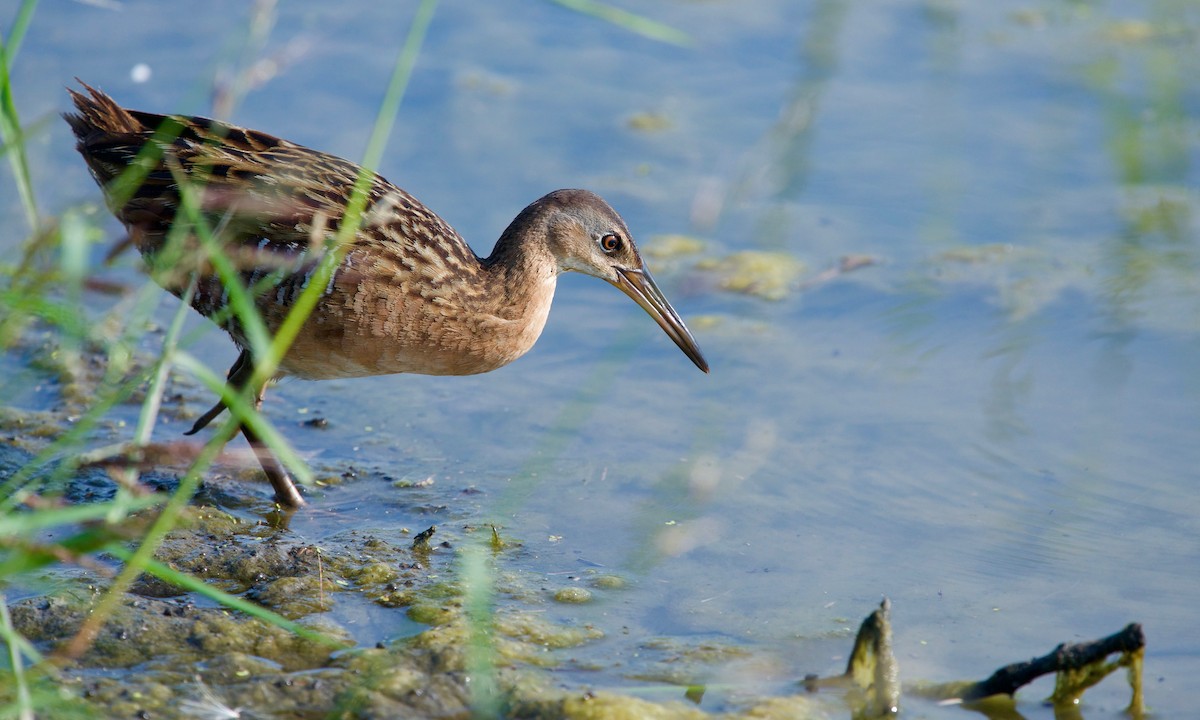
584	234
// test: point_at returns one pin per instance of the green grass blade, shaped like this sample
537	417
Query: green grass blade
242	411
26	524
122	188
11	493
478	580
241	303
64	315
114	389
10	121
19	26
162	369
406	60
28	557
16	664
630	21
150	541
151	405
240	299
42	124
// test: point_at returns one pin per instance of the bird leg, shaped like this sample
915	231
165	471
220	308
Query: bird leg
239	375
286	493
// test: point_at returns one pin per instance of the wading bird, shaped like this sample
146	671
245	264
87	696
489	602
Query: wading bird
405	293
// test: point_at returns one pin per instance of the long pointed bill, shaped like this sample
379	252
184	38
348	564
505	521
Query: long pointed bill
639	285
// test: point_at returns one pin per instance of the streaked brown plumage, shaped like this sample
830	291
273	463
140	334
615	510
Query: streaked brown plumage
409	295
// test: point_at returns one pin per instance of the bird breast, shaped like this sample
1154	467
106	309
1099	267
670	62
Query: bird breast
376	325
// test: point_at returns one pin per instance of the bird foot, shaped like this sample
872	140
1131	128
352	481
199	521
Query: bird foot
203	421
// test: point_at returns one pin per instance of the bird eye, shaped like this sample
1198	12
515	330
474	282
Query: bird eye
610	243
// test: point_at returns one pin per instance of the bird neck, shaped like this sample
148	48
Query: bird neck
521	270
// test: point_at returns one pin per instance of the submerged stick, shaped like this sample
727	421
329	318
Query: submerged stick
872	675
1078	666
872	671
1081	662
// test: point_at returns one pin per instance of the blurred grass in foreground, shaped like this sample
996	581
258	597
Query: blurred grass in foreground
48	290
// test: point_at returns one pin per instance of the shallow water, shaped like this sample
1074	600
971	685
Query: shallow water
994	424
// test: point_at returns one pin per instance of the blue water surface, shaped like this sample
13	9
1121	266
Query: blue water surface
995	423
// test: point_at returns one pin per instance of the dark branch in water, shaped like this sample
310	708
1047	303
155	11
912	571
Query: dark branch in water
1064	658
873	687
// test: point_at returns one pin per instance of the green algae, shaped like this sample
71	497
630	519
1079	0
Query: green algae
767	275
170	658
573	595
649	122
608	582
533	629
151	628
672	245
28	426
